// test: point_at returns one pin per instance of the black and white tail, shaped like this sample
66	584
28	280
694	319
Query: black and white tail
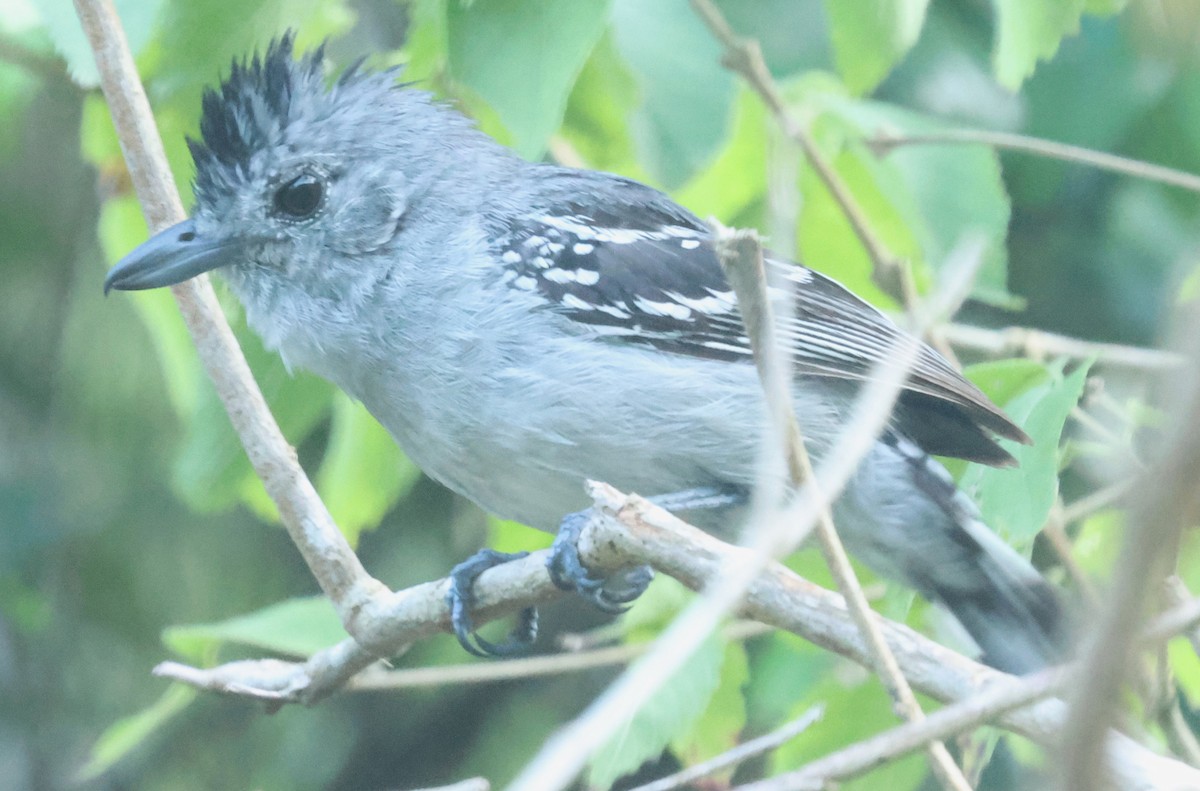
1014	615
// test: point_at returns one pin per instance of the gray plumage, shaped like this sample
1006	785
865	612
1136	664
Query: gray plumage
521	327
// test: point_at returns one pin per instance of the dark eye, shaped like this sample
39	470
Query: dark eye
301	197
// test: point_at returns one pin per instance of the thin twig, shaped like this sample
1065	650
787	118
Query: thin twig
1039	345
740	254
739	754
331	560
1168	500
529	667
884	142
629	530
744	57
1092	502
1056	534
45	66
474	784
966	715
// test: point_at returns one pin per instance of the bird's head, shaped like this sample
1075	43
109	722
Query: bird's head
298	179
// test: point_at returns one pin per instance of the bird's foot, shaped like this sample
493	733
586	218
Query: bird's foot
613	594
608	594
461	598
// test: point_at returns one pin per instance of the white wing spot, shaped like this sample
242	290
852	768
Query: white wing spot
559	275
575	303
583	248
689	244
613	311
672	309
511	257
525	282
587	277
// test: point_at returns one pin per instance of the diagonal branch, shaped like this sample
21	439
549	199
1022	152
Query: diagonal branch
331	560
629	530
1166	503
744	57
884	142
740	254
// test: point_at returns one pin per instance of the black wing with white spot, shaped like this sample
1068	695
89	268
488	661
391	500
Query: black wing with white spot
645	272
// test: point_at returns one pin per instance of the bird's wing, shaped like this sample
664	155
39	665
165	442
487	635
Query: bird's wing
641	270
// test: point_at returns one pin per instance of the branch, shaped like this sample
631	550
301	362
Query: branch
1166	502
966	715
629	530
744	57
1039	344
740	254
884	142
47	67
739	754
331	560
527	667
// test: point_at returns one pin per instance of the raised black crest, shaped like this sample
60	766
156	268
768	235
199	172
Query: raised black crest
251	107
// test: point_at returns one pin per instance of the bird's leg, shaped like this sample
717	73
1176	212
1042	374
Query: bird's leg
461	598
612	594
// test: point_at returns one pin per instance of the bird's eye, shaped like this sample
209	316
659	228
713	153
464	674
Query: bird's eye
301	197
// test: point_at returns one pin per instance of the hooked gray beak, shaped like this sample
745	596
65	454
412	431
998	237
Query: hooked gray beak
171	256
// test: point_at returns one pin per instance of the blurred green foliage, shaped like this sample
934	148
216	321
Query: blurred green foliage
131	526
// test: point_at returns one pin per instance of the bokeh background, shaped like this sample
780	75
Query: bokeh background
132	531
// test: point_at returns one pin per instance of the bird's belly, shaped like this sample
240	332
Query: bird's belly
522	441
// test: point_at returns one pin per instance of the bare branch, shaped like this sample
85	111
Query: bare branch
740	254
1038	345
884	142
744	57
377	678
1166	502
48	67
628	529
331	560
474	784
741	753
862	757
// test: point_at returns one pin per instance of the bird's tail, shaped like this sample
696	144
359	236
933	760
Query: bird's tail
1015	616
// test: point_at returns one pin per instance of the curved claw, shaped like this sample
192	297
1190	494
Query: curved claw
568	572
461	598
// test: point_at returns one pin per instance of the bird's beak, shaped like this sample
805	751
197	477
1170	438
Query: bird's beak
170	256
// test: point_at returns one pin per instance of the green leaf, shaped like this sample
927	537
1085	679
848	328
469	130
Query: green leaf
946	192
597	121
296	627
506	535
1004	380
686	94
364	472
718	728
124	735
212	471
1028	31
856	707
198	40
523	58
672	711
121	229
1016	501
737	178
871	36
137	20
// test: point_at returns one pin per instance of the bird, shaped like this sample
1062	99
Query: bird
522	327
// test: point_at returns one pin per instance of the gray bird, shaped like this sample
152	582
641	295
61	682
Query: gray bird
521	327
